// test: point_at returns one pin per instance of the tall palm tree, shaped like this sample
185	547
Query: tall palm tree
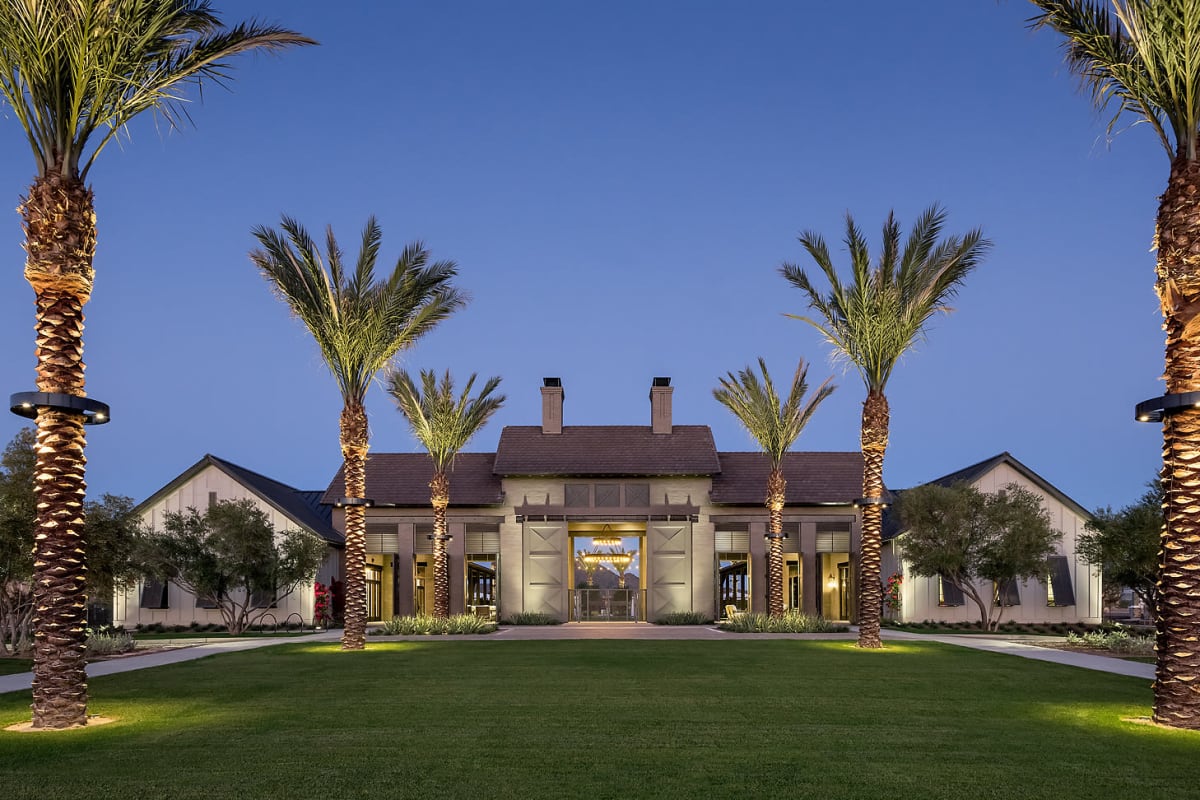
1139	57
359	324
872	321
74	73
775	426
443	423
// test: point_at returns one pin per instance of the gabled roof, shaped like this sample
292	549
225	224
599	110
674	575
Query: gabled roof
892	527
301	507
812	478
632	450
402	479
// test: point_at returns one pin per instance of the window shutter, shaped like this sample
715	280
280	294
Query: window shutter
948	593
833	537
422	544
483	542
1060	582
733	542
382	538
154	594
1007	593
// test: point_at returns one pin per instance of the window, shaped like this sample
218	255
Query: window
154	594
1006	594
733	581
263	598
373	573
948	593
483	585
1059	589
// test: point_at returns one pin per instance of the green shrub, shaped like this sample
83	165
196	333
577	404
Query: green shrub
432	626
533	618
792	621
1118	640
108	641
683	618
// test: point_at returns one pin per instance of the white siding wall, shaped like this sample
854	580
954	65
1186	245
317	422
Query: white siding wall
921	594
182	608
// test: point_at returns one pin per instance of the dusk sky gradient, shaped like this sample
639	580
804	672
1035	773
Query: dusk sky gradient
619	183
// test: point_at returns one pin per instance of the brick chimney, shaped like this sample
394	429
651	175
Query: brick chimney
660	405
552	402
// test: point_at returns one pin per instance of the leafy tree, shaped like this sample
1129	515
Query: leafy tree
231	556
971	538
443	423
359	324
775	425
74	73
111	529
871	322
1126	544
18	513
1138	58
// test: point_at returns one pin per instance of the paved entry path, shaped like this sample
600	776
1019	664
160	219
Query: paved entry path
1016	646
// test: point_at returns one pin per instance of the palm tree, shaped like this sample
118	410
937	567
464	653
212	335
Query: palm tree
871	322
75	72
1140	57
359	324
775	426
443	424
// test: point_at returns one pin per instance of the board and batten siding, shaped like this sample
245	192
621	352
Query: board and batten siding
181	605
920	595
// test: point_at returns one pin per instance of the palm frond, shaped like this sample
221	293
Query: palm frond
1136	57
773	423
876	317
75	72
441	421
359	323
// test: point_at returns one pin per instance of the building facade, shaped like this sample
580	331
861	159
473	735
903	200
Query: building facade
213	479
595	523
1069	592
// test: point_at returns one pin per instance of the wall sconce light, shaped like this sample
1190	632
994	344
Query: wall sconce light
831	582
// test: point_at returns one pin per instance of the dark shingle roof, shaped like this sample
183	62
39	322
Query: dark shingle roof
606	450
812	478
299	506
402	479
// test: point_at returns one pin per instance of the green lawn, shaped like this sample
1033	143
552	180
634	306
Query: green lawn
606	719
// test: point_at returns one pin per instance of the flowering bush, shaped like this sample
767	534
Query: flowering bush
891	593
322	605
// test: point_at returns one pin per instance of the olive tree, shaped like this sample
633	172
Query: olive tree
232	558
977	541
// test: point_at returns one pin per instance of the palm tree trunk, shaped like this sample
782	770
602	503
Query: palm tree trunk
354	454
874	439
440	497
1177	676
60	235
776	486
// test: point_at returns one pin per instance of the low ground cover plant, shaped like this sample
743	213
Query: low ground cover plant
792	621
683	618
434	626
533	618
1119	640
109	641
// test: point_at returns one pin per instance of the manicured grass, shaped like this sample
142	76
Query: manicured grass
606	719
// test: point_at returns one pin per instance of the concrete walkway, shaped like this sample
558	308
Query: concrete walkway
1015	646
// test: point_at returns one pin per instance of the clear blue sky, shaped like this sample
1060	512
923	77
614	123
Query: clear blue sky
619	183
